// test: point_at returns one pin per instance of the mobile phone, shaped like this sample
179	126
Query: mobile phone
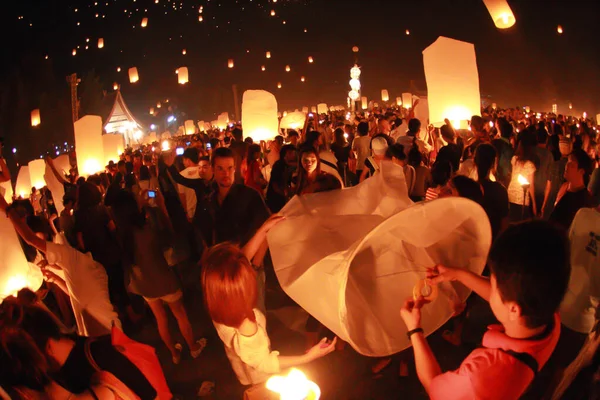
179	151
188	143
151	194
208	146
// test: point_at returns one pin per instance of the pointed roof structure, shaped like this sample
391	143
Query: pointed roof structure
120	119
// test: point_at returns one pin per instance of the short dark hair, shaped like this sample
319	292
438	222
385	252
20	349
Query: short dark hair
541	135
363	129
414	157
468	188
477	123
531	264
191	153
237	134
222	152
414	125
285	149
293	133
204	158
397	151
441	171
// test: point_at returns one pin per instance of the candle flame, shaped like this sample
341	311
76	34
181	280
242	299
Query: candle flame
294	386
522	180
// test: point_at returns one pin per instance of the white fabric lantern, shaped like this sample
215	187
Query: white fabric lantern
36	173
230	63
133	75
182	75
452	87
501	13
407	100
201	126
384	95
293	120
101	43
353	95
399	101
88	145
259	115
354	84
144	22
114	146
379	246
23	185
190	127
364	103
35	117
322	108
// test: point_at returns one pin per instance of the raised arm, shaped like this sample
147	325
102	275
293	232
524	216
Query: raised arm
256	242
478	284
58	176
22	228
4	172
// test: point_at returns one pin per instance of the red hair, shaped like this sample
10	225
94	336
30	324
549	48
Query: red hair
229	285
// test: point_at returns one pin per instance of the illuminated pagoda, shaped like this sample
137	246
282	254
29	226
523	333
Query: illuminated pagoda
120	119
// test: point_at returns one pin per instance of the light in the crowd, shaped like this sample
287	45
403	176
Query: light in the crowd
152	126
522	180
294	386
384	95
491	124
399	101
165	145
170	119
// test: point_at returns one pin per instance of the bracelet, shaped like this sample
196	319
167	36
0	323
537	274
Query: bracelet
410	333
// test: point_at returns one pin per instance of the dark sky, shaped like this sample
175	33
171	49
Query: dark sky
529	64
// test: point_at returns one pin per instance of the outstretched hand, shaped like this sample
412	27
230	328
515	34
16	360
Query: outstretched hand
440	273
411	312
321	349
271	222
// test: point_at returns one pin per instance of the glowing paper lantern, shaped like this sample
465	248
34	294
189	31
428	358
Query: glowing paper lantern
322	108
259	115
182	76
305	110
23	185
302	79
501	13
268	55
310	60
115	86
6	190
354	84
62	165
133	75
313	109
74	52
364	103
36	173
190	127
184	52
559	29
407	100
201	126
293	120
453	89
353	95
384	95
114	146
278	85
101	43
230	63
399	101
144	22
35	117
294	386
263	68
89	145
222	120
287	68
355	49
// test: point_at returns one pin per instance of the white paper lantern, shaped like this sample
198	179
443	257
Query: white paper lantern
36	173
89	145
201	126
501	13
23	185
190	127
183	76
407	100
268	55
353	95
230	63
364	103
354	84
399	101
322	108
259	115
222	120
384	95
35	117
311	60
114	146
144	22
305	110
6	190
133	75
355	72
293	120
101	43
313	109
452	88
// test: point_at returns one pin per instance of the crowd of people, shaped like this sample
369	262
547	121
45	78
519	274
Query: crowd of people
213	196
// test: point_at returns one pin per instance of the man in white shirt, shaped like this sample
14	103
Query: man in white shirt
191	171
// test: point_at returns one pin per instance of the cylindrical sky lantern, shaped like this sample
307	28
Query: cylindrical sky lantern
144	22
384	95
190	127
35	117
399	101
501	13
311	60
183	76
278	85
36	173
101	43
89	146
364	103
452	88
114	146
223	120
302	79
293	120
268	55
305	110
313	109
322	108
230	63
201	126
115	86
407	100
23	185
287	68
259	115
133	75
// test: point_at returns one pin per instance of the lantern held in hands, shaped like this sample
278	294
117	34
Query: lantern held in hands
89	146
37	168
190	127
293	120
407	100
322	108
23	185
259	115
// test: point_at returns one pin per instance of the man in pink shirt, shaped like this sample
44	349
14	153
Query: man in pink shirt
530	272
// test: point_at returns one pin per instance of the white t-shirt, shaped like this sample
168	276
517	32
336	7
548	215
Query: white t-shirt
362	146
407	142
251	357
87	283
578	309
192	172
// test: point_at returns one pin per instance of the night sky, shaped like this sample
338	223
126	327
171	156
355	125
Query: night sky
529	64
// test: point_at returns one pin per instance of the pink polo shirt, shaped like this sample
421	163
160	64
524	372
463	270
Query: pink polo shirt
490	373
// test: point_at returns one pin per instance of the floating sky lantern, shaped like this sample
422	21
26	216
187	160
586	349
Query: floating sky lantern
268	55
278	85
364	103
305	110
302	79
190	127
287	68
151	112
230	63
133	75
183	76
311	60
355	72
166	145
35	117
355	49
501	13
89	145
294	386
184	52
272	13
101	43
115	86
114	146
118	69
259	115
223	120
399	101
36	173
452	90
144	22
74	52
354	84
23	185
158	105
353	95
559	29
384	95
407	100
200	19
313	109
407	32
263	68
322	108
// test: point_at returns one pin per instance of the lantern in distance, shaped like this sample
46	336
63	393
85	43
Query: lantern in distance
183	76
407	100
36	173
190	127
23	185
101	43
501	13
89	145
287	68
144	22
311	60
200	19
133	75
114	146
74	52
353	95
559	29
355	72
322	108
259	115
399	101
201	126
230	63
384	95
263	68
364	103
354	84
278	85
115	86
268	55
302	79
184	52
313	109
35	117
355	49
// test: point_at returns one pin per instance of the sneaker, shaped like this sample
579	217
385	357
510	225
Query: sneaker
177	357
201	345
